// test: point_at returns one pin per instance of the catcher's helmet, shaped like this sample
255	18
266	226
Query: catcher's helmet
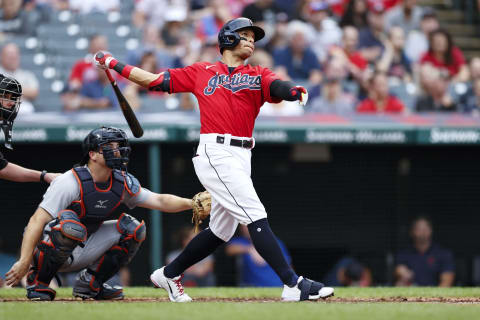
100	138
228	36
10	99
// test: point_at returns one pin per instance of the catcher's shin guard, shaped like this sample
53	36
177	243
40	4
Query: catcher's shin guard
133	234
51	253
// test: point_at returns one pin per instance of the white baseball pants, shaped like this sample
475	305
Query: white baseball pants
225	172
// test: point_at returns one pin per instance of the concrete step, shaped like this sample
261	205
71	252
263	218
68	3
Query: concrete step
459	29
467	42
469	54
451	16
436	3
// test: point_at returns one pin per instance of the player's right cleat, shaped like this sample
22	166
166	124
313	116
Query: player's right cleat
306	289
40	292
172	286
83	290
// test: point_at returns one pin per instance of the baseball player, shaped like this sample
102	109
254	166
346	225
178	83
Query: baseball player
10	100
230	94
71	230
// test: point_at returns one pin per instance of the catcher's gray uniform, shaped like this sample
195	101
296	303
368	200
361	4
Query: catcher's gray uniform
61	193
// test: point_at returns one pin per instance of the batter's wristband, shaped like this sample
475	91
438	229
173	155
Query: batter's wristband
42	175
123	69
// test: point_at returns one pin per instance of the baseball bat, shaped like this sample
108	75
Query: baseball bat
128	113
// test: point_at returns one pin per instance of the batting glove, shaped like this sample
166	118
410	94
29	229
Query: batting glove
301	94
104	60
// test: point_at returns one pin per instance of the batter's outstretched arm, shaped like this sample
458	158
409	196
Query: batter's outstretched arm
286	90
148	80
167	203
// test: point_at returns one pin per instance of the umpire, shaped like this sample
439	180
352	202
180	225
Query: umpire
10	99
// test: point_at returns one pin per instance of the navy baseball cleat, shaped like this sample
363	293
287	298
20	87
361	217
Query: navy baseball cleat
306	289
83	290
40	292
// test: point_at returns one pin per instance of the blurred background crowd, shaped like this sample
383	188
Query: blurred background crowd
354	56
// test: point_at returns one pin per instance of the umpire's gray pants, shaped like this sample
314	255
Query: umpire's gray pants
96	245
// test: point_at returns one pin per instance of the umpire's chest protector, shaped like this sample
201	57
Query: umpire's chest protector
95	205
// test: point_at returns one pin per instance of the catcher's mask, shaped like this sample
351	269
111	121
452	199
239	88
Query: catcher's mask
228	36
99	140
10	99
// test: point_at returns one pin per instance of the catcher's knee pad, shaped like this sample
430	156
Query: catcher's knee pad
66	232
133	233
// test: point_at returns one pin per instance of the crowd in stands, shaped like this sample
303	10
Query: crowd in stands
354	56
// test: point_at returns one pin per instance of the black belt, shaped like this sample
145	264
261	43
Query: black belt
248	144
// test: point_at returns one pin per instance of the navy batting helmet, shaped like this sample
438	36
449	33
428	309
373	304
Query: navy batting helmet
228	36
100	138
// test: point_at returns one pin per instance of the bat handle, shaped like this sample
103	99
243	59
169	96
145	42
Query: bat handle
109	75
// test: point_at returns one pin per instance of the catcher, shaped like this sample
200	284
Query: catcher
71	230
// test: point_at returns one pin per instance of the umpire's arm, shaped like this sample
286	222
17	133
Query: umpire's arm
17	173
166	203
31	237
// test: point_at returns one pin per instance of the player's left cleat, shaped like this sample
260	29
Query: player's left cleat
172	286
306	289
40	292
83	290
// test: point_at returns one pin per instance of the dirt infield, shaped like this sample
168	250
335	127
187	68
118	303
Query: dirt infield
244	300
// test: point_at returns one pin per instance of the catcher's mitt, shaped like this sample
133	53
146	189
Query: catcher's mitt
201	206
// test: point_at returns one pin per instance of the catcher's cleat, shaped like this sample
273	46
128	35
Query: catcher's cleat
82	289
172	286
40	292
306	289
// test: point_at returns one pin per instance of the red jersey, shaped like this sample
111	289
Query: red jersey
393	105
453	68
229	102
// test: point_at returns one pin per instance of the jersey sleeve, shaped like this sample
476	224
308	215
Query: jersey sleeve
183	79
60	194
131	201
267	78
3	162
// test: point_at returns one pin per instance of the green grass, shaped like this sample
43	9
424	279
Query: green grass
247	310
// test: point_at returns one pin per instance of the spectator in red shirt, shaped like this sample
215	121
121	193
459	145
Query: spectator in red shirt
348	53
443	54
379	100
83	70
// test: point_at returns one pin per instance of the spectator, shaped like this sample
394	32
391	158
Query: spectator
379	100
471	101
10	66
208	26
436	98
349	272
466	91
83	70
425	263
151	42
90	6
298	58
200	274
255	271
394	61
355	15
260	11
15	20
417	41
284	108
370	38
94	95
443	54
406	16
153	12
348	53
325	31
333	98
